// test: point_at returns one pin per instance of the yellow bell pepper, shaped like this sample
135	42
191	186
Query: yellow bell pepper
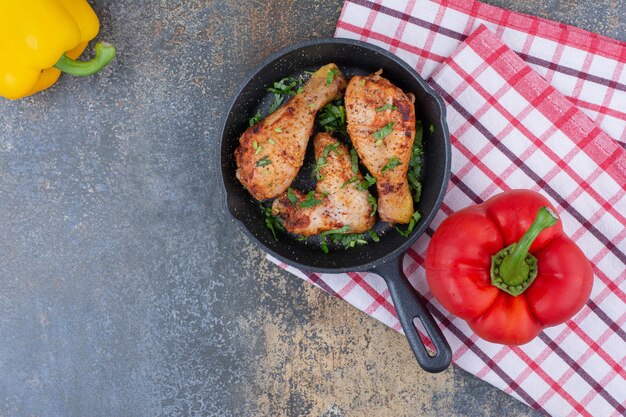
39	39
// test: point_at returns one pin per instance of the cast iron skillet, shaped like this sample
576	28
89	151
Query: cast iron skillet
384	257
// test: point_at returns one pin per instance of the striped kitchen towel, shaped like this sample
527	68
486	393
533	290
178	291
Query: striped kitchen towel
531	104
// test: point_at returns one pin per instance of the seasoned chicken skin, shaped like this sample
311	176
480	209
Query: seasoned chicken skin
381	124
337	202
272	151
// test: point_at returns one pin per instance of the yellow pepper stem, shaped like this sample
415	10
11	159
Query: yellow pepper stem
105	52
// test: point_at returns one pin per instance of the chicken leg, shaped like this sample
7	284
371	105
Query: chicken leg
381	124
271	152
337	201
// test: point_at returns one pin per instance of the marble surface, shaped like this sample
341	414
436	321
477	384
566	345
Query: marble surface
125	290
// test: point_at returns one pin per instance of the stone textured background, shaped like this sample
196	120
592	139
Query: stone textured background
124	288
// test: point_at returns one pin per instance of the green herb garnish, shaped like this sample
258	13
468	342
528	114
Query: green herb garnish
354	158
310	201
347	240
270	140
254	119
278	129
278	100
366	183
350	181
383	133
414	218
332	117
363	82
291	196
330	76
431	128
256	147
272	222
416	162
325	234
288	86
263	161
344	229
285	86
387	106
321	161
391	164
373	203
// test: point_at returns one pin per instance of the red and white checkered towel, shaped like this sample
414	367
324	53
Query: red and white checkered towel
510	128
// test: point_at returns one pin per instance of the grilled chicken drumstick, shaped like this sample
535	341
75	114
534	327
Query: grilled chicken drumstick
337	200
272	151
381	124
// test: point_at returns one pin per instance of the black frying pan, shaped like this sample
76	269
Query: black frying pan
384	257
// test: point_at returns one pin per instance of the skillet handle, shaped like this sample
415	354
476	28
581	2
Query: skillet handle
409	306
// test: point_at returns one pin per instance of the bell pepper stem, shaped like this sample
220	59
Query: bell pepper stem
105	52
513	269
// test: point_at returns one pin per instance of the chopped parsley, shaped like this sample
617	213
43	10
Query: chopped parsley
332	117
263	161
272	222
254	119
366	183
414	218
288	86
285	86
330	76
373	203
324	235
416	162
278	100
310	201
383	133
387	106
350	181
321	161
347	240
291	196
354	158
391	164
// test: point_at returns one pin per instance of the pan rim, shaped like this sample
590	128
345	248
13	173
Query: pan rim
424	222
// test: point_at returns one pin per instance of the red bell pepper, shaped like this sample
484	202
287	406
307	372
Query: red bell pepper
506	267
